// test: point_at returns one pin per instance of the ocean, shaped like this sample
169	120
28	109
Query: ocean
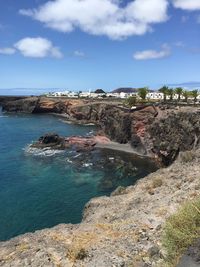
40	189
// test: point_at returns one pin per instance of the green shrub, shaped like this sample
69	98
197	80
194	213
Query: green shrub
181	230
131	101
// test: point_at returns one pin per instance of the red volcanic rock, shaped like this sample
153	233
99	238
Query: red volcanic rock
80	143
85	143
140	128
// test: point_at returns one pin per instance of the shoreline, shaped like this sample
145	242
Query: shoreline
126	148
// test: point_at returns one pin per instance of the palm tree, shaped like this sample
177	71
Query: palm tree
170	93
142	92
195	94
164	90
179	92
186	94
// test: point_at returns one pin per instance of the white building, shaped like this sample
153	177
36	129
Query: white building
155	95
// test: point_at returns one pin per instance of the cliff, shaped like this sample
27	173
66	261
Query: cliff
124	229
6	99
150	130
38	105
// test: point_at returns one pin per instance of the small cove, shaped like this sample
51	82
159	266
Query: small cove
39	190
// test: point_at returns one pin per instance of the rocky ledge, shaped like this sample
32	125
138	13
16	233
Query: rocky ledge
124	229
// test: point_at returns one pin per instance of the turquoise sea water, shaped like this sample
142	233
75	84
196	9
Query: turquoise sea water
41	189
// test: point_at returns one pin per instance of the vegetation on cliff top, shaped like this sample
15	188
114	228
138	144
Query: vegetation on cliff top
181	230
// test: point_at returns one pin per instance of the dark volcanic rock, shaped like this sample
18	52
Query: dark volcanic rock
51	140
5	99
26	105
177	132
39	105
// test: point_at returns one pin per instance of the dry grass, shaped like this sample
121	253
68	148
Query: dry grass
80	243
157	182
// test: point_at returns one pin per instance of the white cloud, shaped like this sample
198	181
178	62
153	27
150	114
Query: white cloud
101	17
187	4
37	47
78	53
153	54
153	11
7	51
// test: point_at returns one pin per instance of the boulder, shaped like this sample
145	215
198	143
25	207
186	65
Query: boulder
51	140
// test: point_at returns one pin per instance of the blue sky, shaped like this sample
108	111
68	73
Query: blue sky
88	44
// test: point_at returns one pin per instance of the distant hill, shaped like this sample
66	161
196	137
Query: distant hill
99	91
125	90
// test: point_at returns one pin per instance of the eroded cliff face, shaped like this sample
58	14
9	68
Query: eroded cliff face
159	132
175	132
5	99
39	105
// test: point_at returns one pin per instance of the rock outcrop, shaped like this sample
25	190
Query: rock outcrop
51	140
6	99
26	105
38	105
122	230
78	143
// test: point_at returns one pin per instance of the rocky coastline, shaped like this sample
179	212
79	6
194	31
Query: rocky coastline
125	229
148	130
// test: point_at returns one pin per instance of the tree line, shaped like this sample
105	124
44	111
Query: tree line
168	94
180	92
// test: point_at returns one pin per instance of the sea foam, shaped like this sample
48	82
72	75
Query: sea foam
42	152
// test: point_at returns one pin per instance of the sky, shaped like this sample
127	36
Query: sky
89	44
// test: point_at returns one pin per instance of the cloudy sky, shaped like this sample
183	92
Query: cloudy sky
82	44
